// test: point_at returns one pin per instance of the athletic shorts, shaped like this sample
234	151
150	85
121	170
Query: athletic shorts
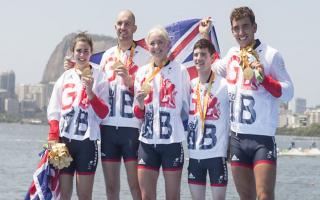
117	142
169	156
84	154
216	167
249	150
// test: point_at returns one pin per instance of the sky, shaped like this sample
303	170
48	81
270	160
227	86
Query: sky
30	30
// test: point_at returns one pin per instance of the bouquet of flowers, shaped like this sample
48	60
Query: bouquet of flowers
59	156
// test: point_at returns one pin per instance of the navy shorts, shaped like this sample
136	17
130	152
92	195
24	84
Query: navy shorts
84	154
249	150
118	142
216	167
169	156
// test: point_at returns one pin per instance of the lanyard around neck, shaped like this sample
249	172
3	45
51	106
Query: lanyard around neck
119	54
207	92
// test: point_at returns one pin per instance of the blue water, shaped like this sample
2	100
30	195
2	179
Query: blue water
297	177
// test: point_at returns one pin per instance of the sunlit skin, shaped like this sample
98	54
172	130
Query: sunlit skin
158	47
202	60
243	31
261	180
125	28
81	54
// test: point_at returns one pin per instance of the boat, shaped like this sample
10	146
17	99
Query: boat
300	152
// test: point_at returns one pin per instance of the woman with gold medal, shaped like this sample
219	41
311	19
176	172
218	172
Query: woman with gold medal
76	108
208	127
161	101
257	80
120	131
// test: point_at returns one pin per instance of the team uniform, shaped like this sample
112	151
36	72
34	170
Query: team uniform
166	106
75	119
120	131
208	143
254	105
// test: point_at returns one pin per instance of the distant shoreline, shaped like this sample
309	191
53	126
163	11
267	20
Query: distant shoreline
25	121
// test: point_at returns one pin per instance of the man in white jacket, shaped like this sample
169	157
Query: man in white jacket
257	81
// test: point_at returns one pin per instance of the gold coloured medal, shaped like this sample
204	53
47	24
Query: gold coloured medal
146	88
86	72
116	65
248	73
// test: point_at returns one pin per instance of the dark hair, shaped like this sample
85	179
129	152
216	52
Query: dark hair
242	12
204	44
81	37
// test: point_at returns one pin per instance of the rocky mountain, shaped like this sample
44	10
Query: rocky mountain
54	67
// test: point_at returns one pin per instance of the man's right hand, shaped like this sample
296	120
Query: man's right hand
68	63
205	26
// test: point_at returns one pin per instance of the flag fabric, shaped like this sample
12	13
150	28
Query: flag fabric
45	184
183	36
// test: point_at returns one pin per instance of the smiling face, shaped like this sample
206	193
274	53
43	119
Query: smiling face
158	45
125	26
202	59
81	54
243	31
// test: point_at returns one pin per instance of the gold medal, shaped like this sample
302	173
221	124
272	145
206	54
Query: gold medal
146	88
86	72
247	56
116	65
248	73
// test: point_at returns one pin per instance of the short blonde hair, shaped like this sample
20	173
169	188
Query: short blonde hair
158	30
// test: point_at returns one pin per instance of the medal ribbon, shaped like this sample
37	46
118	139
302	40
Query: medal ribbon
155	72
119	54
207	92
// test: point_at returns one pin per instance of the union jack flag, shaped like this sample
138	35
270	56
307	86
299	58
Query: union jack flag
183	36
45	184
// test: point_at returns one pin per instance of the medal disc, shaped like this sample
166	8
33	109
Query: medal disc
116	65
248	73
146	88
86	72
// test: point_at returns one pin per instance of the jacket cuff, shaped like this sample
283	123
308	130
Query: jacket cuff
53	130
99	107
272	86
138	112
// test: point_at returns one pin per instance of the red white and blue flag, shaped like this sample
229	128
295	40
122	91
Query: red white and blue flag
183	36
45	184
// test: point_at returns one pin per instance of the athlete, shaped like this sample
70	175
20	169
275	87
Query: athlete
257	81
120	131
162	102
208	126
76	108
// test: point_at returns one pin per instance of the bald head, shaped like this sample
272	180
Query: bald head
125	26
127	14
